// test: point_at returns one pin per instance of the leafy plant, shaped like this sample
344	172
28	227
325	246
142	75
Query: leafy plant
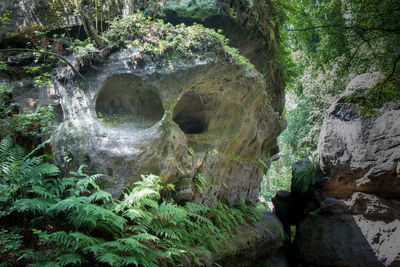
11	244
168	40
78	223
306	176
191	151
199	181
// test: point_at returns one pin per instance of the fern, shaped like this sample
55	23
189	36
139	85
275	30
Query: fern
199	181
70	259
306	176
141	229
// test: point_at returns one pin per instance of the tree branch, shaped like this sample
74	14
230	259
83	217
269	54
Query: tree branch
345	27
314	27
44	52
354	54
393	69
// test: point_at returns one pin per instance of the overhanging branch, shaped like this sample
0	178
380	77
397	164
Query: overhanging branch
44	52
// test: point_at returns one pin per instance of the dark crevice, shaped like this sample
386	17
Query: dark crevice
190	115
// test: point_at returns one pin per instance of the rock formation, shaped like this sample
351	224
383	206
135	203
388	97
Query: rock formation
206	114
356	221
203	117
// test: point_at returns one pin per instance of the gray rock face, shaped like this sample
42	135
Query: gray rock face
358	153
177	121
362	231
358	219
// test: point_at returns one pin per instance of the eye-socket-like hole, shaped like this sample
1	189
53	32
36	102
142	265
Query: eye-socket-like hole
190	114
125	101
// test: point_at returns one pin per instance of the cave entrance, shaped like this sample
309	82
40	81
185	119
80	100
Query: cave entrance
190	114
125	101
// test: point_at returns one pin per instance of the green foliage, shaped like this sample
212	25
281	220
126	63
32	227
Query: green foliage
191	151
376	96
306	176
274	181
5	19
329	42
34	124
167	40
11	244
3	65
199	181
77	223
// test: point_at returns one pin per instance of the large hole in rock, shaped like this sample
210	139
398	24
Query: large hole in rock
190	114
125	101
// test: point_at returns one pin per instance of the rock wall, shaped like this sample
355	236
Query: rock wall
351	217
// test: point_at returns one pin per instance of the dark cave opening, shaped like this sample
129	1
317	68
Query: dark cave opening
190	114
125	100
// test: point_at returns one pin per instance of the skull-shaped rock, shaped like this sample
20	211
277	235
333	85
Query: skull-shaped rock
187	120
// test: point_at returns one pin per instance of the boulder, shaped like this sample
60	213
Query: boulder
361	231
283	207
359	153
357	220
184	118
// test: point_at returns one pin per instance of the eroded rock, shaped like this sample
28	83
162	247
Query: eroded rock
357	222
362	231
361	153
204	117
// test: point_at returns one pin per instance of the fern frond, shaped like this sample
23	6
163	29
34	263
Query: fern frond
171	212
70	259
47	169
145	237
100	195
42	192
110	258
40	146
129	260
143	194
51	264
6	148
34	205
171	233
84	240
131	243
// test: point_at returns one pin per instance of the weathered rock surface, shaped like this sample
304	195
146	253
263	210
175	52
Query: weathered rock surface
218	110
362	231
249	245
359	153
357	222
247	25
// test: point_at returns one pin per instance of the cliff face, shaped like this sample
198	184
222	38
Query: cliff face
352	217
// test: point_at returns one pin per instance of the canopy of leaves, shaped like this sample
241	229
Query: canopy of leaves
325	44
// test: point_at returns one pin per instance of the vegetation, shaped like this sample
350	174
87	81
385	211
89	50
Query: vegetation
74	222
325	44
51	218
168	40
